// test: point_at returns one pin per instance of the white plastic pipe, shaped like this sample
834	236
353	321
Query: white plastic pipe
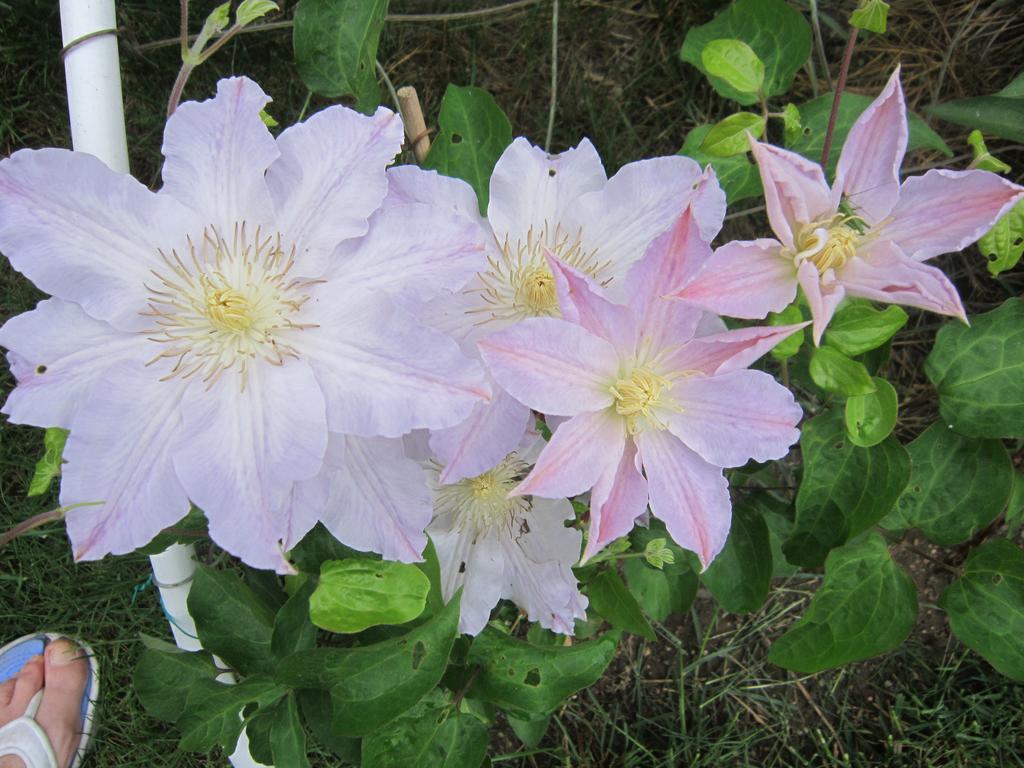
96	110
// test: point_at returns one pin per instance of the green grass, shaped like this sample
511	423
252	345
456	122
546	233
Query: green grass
704	694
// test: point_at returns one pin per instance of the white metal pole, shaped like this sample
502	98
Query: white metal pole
96	111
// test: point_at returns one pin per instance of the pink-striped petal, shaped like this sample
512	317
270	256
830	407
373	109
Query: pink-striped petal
745	279
492	431
886	274
57	353
823	294
217	152
727	351
618	499
868	174
331	177
689	495
83	233
795	191
582	301
945	211
580	451
735	417
552	365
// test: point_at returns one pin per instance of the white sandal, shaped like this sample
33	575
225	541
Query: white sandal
23	737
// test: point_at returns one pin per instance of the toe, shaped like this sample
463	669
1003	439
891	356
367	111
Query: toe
67	672
27	684
6	691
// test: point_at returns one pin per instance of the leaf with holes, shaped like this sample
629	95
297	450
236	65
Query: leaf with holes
335	45
528	680
986	605
373	684
1003	245
356	594
957	486
737	175
613	602
810	141
865	606
212	714
845	488
871	418
433	734
231	621
474	133
777	34
858	328
979	372
740	575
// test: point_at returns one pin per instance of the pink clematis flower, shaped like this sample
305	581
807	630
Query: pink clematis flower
501	547
655	412
567	206
866	236
204	340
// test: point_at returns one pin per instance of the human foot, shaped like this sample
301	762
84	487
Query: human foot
61	673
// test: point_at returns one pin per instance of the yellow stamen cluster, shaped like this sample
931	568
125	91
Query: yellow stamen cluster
829	244
638	396
481	502
226	305
518	283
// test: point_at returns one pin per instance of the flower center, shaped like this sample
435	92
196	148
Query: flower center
828	245
225	306
519	283
480	503
637	396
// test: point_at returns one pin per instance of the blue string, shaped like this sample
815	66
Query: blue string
138	589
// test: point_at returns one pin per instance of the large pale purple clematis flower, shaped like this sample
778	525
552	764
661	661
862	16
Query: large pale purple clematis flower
501	547
866	236
655	412
567	206
202	341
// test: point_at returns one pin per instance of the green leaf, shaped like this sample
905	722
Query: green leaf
729	136
740	575
1001	114
610	598
250	10
373	684
430	735
777	515
186	531
1003	245
231	621
986	605
317	547
845	489
354	595
163	678
983	159
658	554
792	123
293	631
257	730
48	467
431	568
530	732
870	15
335	45
865	606
735	62
287	735
1015	506
317	712
737	175
529	680
859	328
791	315
212	714
958	485
835	372
474	132
979	372
811	139
871	418
662	592
776	32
